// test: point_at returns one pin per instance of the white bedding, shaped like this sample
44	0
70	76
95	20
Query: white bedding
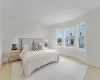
33	60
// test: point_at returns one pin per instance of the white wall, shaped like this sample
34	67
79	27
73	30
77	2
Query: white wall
93	37
70	51
20	31
91	54
0	43
18	24
0	33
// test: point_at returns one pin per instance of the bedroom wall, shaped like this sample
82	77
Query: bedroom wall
20	31
91	54
18	23
70	51
93	36
0	33
0	43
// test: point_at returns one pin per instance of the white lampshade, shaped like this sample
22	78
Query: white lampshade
46	41
15	41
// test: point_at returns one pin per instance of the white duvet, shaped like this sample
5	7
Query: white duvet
33	60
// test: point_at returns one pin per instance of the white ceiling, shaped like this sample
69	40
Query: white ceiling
48	12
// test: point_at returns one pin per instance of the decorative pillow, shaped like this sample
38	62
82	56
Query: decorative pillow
40	46
35	47
26	47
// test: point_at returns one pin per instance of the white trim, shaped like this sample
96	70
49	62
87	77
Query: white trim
59	46
81	49
76	43
84	36
0	61
69	47
0	65
61	37
75	36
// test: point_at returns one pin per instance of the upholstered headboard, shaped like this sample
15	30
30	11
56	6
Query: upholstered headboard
24	41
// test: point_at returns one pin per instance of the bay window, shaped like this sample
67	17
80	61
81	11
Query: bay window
68	36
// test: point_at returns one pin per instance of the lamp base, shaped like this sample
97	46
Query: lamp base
14	47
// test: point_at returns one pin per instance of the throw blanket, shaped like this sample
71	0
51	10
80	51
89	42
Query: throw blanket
33	60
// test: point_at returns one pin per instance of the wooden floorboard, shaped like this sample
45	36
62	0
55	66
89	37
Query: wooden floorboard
93	73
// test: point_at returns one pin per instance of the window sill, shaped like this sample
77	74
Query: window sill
69	46
73	47
59	46
81	49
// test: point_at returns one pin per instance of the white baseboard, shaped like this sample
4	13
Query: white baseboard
0	65
5	60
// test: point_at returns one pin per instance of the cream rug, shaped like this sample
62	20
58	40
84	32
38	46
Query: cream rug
63	70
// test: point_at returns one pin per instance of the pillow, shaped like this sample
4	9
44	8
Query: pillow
26	47
35	47
30	45
40	46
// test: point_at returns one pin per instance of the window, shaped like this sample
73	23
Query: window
69	35
59	34
81	36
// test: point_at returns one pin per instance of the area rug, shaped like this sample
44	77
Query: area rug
63	70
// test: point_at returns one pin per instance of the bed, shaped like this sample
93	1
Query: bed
33	60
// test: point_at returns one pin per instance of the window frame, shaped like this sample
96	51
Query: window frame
62	37
75	37
84	36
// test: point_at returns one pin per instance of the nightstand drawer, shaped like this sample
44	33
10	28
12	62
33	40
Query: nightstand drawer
13	55
13	58
16	58
14	51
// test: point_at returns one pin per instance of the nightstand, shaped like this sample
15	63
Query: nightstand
13	55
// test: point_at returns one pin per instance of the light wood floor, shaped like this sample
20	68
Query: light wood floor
93	73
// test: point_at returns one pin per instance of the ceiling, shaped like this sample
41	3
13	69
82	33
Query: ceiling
48	12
